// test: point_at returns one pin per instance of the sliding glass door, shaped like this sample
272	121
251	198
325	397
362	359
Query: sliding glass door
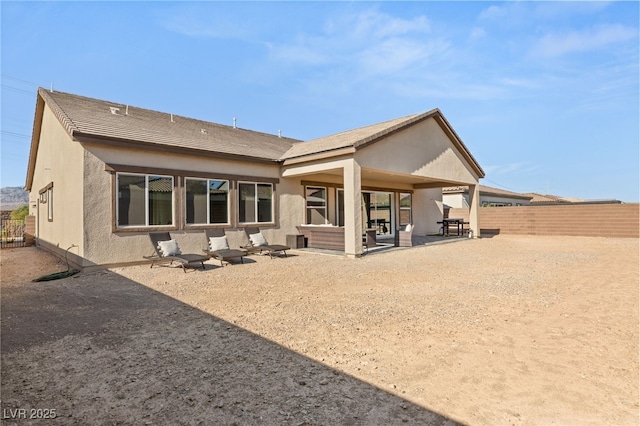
377	211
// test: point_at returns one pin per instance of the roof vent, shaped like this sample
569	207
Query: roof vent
279	133
234	123
114	110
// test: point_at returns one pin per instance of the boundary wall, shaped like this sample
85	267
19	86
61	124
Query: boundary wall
588	220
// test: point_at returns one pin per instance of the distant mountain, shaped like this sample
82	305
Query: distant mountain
12	197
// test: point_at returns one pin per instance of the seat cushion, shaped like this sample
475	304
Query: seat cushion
169	248
218	243
257	239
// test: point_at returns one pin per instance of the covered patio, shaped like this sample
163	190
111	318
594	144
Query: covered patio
406	161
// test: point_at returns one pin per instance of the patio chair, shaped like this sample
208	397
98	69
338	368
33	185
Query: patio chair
218	247
403	236
167	251
258	244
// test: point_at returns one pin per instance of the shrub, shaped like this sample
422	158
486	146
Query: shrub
20	213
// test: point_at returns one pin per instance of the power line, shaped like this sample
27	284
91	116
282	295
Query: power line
20	80
497	184
20	135
30	92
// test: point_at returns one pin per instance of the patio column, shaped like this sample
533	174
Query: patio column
474	204
352	209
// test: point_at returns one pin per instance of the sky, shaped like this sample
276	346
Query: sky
545	95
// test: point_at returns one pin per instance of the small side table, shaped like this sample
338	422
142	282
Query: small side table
295	241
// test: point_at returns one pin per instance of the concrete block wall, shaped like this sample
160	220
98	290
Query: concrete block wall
30	230
589	220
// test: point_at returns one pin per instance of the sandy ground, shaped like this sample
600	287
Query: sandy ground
499	331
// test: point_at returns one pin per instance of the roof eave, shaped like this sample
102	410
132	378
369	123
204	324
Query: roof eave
444	125
35	142
126	143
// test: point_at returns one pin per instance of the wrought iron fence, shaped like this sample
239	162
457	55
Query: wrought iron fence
12	233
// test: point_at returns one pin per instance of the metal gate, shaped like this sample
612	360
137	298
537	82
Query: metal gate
12	233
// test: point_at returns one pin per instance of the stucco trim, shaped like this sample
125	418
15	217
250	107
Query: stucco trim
319	156
124	168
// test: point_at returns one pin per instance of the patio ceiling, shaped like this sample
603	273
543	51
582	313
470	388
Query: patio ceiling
395	180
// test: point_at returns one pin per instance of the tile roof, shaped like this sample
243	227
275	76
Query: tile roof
548	198
349	138
92	120
87	117
364	135
487	190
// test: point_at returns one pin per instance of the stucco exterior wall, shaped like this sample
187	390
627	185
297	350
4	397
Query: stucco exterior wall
107	247
420	150
506	200
455	200
427	210
59	160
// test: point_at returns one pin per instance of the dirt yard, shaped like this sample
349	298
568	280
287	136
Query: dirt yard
499	331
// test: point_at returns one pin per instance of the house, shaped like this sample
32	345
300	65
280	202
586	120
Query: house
548	200
458	197
102	175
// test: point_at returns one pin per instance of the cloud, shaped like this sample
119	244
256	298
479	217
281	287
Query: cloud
396	55
477	33
205	22
365	43
503	169
493	12
596	38
372	23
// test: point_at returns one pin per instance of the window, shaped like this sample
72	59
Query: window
316	205
50	203
46	197
255	202
207	201
144	200
405	209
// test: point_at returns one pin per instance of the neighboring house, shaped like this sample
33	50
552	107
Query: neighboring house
102	175
458	197
546	199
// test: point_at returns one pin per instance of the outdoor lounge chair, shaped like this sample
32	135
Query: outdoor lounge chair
403	236
218	247
258	244
167	251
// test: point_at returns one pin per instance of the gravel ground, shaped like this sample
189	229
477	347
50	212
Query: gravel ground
501	331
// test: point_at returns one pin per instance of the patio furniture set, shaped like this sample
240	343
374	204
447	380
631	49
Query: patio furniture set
167	250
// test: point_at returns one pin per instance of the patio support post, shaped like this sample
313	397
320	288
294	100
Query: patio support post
474	204
352	209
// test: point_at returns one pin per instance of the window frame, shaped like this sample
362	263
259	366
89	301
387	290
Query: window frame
325	207
402	195
46	197
256	210
146	225
208	223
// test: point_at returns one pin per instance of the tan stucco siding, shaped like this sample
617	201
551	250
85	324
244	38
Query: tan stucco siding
59	161
107	247
422	150
427	210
